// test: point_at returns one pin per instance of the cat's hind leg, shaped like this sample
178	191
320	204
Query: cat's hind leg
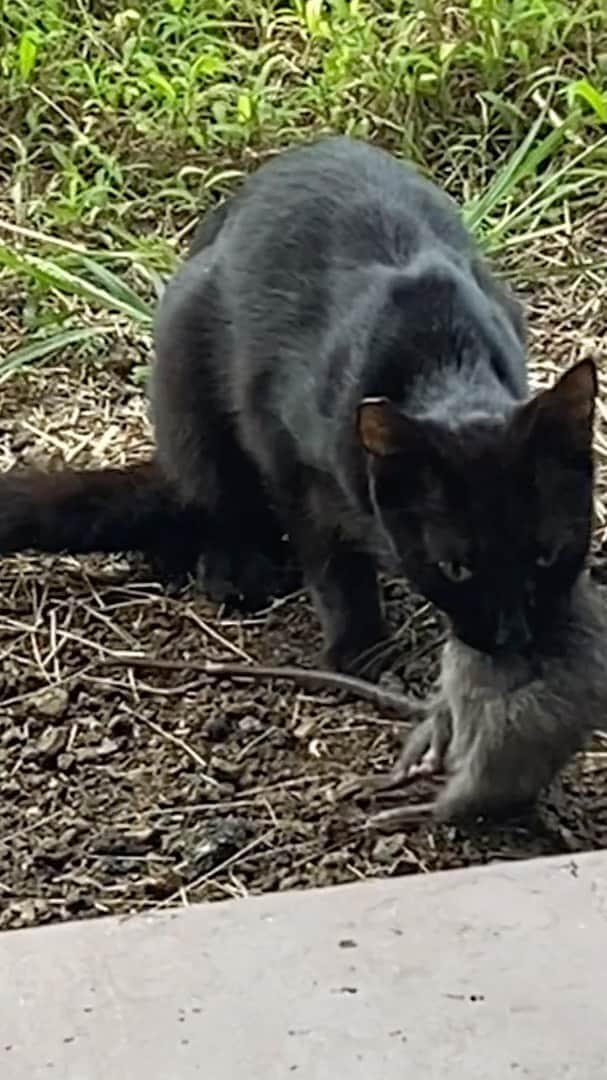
198	447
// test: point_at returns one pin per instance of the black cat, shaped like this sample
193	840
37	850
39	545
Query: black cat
335	361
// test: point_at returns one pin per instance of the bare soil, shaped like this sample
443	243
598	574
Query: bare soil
125	789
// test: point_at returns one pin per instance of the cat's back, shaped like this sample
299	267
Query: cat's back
340	198
345	172
306	234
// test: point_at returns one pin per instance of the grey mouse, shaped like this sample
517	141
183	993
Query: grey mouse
502	728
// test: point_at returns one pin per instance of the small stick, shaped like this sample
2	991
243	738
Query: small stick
183	745
308	678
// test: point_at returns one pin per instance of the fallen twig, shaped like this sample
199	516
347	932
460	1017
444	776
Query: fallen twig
309	678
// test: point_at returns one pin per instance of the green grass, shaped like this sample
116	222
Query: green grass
118	124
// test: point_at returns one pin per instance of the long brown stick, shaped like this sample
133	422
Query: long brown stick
308	678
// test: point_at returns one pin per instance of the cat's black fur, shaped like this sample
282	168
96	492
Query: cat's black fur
335	360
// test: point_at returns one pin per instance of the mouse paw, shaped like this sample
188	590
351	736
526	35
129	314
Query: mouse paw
399	817
429	765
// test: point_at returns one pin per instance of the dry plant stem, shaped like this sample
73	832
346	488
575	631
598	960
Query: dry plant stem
309	678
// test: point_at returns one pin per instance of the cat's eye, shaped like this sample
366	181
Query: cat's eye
455	571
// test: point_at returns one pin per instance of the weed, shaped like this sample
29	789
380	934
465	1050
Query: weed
120	124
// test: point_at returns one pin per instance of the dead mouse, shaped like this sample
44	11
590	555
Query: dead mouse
502	728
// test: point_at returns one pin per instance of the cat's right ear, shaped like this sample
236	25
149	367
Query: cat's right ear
382	429
567	407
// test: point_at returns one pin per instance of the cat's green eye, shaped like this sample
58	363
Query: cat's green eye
455	571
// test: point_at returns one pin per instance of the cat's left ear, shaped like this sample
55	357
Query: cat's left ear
382	429
569	405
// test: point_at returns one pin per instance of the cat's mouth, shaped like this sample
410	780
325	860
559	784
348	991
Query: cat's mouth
513	632
512	636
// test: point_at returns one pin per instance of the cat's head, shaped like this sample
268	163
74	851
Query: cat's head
491	520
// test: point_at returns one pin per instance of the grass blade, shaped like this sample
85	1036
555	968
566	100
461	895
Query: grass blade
53	274
40	348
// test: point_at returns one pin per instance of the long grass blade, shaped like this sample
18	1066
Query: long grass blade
41	348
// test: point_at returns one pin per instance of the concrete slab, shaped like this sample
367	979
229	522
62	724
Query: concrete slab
483	974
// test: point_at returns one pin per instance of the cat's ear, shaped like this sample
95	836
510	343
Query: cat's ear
382	429
570	403
567	408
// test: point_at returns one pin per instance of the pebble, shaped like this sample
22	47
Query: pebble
216	727
388	848
51	743
250	725
105	749
290	881
51	702
120	726
11	735
225	767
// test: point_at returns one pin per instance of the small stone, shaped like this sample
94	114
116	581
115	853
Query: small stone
225	767
163	882
216	791
107	748
51	702
213	843
10	736
52	854
65	762
20	440
120	726
235	708
138	841
250	725
24	912
216	727
86	754
388	848
51	743
306	727
104	749
291	881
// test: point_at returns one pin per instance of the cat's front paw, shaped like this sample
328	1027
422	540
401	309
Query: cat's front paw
172	568
245	580
263	578
214	578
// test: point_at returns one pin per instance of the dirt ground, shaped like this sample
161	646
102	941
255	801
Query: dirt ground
123	790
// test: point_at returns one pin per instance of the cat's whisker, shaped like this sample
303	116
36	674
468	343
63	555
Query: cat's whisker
382	651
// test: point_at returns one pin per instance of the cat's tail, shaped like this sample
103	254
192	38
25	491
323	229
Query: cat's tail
98	510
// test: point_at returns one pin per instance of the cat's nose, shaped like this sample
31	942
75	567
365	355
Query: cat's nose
513	631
